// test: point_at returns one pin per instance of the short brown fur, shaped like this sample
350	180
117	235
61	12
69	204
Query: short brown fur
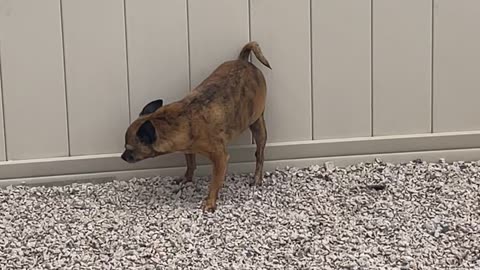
225	104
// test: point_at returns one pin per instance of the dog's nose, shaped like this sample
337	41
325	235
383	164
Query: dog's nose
127	156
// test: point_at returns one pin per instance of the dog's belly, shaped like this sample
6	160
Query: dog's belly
242	119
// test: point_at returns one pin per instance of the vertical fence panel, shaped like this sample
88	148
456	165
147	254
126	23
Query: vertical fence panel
96	74
157	51
341	48
402	66
218	31
33	81
282	28
456	65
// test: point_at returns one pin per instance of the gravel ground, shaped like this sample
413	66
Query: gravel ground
369	216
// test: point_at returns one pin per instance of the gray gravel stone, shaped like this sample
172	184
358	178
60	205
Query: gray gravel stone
416	215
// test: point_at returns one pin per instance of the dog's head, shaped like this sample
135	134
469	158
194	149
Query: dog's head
146	137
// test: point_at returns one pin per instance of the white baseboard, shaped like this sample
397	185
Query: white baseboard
431	147
247	167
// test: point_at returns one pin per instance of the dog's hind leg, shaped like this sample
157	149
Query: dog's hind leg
259	132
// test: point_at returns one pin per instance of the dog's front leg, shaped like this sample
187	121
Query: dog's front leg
220	161
191	167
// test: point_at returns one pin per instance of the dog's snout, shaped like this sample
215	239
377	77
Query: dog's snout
127	156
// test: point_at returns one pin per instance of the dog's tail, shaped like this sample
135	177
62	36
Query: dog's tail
253	46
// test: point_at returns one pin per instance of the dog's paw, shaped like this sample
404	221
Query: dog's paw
209	206
183	186
256	181
183	180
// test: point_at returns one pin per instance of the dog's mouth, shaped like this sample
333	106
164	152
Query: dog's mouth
131	161
128	157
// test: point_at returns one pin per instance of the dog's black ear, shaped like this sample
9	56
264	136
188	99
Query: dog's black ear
152	107
146	133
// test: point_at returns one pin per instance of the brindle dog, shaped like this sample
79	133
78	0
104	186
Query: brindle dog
224	105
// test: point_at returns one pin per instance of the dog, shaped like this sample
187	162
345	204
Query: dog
227	103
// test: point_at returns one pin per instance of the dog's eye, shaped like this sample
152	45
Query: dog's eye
129	147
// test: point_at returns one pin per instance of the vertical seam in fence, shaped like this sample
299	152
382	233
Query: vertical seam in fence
249	21
3	106
65	78
432	68
252	139
189	60
126	61
371	70
249	4
311	72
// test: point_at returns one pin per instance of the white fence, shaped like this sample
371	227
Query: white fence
350	77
